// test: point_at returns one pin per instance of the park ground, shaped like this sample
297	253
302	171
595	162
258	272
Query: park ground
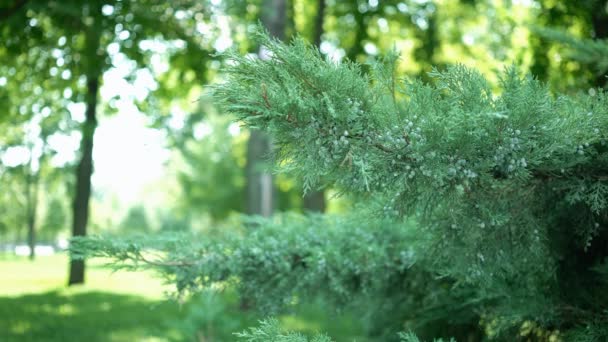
35	305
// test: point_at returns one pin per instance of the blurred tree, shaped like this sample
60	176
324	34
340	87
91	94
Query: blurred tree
136	220
170	222
212	180
54	221
27	155
78	41
29	97
12	203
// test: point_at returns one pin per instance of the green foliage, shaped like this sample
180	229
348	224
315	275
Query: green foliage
215	316
270	330
482	206
291	258
341	252
593	331
411	337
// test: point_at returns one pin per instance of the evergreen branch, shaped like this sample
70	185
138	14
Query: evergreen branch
290	252
466	162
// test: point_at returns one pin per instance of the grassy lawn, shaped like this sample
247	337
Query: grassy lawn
86	316
47	273
35	305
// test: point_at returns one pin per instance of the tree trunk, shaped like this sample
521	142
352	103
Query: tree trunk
599	21
32	205
274	17
314	201
260	188
83	177
319	20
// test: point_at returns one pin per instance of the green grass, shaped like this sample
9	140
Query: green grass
35	305
87	316
113	306
47	273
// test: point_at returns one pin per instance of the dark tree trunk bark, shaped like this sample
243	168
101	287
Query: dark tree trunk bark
599	21
83	177
319	20
93	70
314	201
260	187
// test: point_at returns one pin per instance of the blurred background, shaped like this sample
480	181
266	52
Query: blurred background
105	128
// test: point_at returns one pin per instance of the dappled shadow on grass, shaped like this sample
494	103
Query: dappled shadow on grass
75	315
87	316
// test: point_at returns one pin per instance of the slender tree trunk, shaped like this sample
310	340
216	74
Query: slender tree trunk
599	20
92	65
83	177
319	21
31	231
260	188
314	201
32	205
